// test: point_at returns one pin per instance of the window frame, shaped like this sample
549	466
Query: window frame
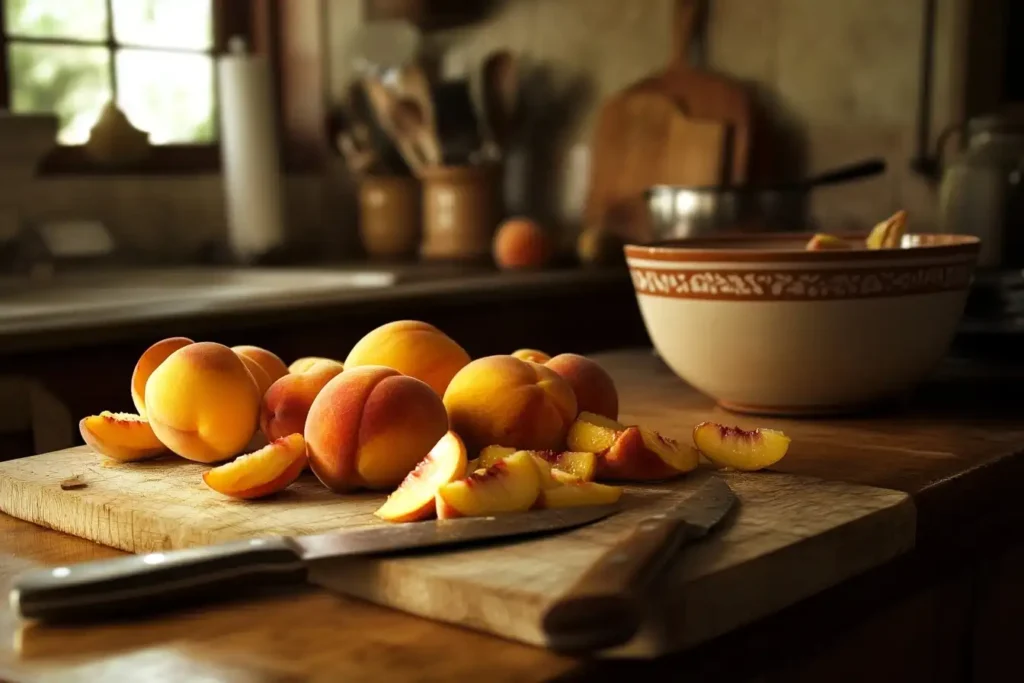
282	31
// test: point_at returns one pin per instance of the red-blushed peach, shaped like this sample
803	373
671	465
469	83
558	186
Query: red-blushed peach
507	401
532	355
579	494
124	437
286	403
370	426
269	361
740	449
630	453
510	485
413	348
594	387
306	362
413	500
149	361
261	473
521	243
202	402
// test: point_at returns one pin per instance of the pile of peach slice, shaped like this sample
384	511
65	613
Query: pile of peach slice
886	235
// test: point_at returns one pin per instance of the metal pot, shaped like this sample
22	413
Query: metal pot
676	212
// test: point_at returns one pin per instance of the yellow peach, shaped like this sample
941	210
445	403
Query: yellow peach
149	361
507	401
202	402
413	348
306	362
369	427
594	388
270	362
532	355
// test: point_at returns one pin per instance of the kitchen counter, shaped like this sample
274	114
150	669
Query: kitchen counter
110	306
949	611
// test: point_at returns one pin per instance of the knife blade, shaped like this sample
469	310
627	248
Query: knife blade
603	609
142	583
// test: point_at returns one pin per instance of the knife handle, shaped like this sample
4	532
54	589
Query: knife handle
137	583
601	610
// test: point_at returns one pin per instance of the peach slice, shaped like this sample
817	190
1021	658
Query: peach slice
474	465
738	448
149	361
580	464
260	473
413	500
124	437
492	454
564	477
630	453
889	233
823	242
532	355
511	485
579	494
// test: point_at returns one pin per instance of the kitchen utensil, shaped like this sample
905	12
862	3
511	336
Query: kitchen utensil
804	332
353	141
982	189
458	130
414	84
407	117
644	140
140	582
676	212
741	573
362	113
405	139
604	608
500	96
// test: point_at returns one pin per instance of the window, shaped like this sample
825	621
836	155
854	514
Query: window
154	58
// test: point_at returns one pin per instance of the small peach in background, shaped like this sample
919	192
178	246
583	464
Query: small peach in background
521	243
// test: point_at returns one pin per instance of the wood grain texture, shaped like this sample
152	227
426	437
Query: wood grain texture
786	528
643	139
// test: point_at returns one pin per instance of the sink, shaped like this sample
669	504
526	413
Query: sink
103	293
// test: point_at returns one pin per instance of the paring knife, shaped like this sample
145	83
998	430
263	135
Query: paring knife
145	583
604	608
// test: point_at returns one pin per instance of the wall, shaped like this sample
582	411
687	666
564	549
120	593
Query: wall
838	79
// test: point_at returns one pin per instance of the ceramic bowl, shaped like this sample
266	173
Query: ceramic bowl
763	326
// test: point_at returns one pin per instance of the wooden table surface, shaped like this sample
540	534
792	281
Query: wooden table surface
959	457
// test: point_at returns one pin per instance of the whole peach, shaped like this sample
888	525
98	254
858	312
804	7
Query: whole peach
149	361
501	400
202	402
594	387
286	403
370	426
414	348
521	243
269	361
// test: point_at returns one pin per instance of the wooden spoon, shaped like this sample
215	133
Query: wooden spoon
383	104
410	123
413	84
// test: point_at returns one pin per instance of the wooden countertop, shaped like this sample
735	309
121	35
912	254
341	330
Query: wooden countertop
958	455
418	285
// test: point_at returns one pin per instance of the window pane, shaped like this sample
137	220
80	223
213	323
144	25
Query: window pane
79	19
72	82
164	23
168	94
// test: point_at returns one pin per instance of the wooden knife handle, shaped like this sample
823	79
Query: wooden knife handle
601	610
147	583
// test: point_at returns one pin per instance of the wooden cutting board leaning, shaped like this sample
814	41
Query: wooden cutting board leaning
785	527
705	139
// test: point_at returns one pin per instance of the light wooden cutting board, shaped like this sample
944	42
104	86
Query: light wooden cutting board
791	537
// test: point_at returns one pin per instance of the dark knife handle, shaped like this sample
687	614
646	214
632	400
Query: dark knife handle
601	610
145	583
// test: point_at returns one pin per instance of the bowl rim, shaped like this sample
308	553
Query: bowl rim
717	248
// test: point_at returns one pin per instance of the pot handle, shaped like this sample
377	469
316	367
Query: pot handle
861	169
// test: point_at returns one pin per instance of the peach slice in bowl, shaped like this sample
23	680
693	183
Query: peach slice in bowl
764	325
